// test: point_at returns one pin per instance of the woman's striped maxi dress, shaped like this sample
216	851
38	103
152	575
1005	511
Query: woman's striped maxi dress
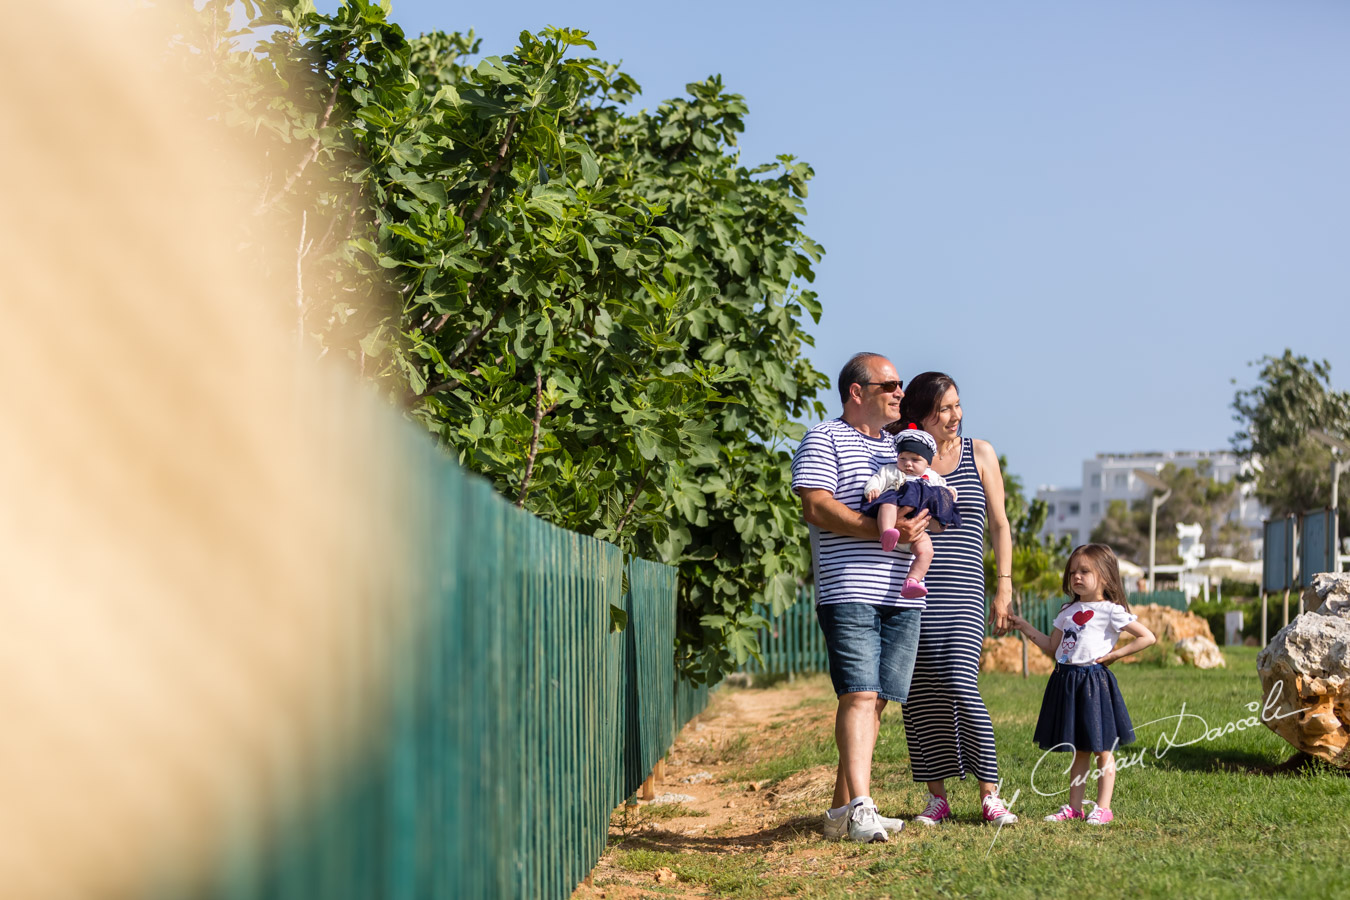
947	725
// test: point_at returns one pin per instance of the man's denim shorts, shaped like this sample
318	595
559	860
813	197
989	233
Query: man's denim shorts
871	647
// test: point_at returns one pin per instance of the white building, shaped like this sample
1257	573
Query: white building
1074	512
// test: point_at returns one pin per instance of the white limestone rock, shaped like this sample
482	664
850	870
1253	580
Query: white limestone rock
1329	594
1201	652
1305	674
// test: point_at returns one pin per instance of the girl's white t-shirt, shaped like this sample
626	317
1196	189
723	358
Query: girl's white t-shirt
1089	631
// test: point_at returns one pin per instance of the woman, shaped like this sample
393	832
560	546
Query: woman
946	723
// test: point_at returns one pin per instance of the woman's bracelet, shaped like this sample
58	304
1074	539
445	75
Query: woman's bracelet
1005	576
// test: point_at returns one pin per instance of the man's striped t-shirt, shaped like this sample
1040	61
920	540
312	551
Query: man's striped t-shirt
836	457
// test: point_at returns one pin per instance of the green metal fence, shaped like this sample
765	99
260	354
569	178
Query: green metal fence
513	724
1173	599
792	643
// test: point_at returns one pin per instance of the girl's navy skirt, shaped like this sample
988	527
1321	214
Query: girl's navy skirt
920	495
1083	710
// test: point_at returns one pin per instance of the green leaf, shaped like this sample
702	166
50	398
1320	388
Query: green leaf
585	249
590	168
808	300
429	192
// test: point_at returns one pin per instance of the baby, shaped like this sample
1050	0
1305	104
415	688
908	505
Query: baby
904	489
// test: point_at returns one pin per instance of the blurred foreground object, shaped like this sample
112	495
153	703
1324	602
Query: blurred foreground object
189	578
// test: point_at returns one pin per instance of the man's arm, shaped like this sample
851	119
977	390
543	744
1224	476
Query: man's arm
823	511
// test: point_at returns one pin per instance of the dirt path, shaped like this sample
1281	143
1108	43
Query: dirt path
705	805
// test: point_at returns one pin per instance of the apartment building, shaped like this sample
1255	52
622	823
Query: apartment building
1075	511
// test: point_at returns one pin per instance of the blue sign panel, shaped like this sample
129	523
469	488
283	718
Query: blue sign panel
1277	555
1316	553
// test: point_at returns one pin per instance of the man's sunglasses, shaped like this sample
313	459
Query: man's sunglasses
887	387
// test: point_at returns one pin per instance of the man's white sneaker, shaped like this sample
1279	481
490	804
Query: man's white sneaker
892	826
835	828
864	825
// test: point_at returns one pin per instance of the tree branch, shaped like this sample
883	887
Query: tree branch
642	483
300	253
312	154
492	174
453	383
469	344
468	298
539	413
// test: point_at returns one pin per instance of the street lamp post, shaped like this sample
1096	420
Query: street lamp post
1339	453
1152	480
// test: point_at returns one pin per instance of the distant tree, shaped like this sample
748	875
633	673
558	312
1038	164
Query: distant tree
1125	530
1296	479
1292	394
1037	564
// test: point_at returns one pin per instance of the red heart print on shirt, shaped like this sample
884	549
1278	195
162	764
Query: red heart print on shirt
1081	617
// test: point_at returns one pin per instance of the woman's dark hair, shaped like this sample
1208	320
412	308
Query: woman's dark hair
857	370
924	396
1103	560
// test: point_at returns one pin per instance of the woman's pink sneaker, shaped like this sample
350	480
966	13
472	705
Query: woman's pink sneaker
913	590
995	812
936	810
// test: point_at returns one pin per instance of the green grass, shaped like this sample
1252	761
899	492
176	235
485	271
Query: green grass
1207	820
663	811
732	875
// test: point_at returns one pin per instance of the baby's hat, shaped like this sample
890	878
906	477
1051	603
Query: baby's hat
915	440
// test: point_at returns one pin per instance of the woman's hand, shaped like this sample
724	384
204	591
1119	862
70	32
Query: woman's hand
1000	532
1000	611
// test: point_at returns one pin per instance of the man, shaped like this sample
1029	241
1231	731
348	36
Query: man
871	632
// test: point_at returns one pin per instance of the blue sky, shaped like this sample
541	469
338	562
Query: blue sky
1091	215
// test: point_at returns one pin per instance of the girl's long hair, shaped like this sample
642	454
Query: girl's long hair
1103	561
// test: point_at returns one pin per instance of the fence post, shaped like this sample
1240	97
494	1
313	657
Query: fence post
1264	614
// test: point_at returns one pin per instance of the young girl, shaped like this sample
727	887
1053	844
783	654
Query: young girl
902	490
1083	710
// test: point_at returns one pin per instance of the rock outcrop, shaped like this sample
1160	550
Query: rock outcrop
1186	634
1305	674
1172	625
1199	651
1004	654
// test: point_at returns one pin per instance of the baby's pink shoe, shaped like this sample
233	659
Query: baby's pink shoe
913	590
889	538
